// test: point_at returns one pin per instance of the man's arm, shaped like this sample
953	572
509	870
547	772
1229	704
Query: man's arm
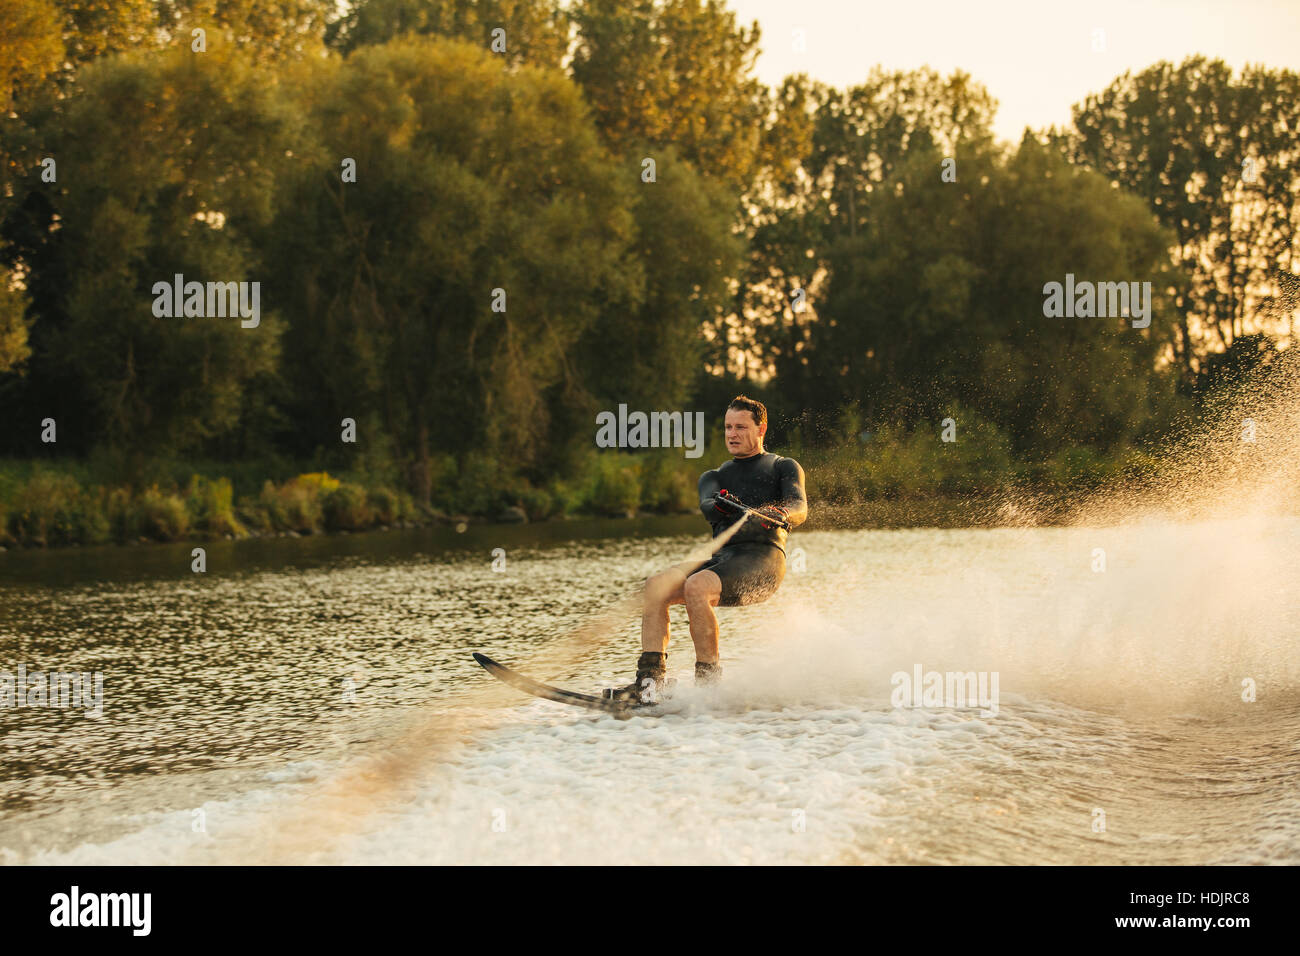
793	498
710	485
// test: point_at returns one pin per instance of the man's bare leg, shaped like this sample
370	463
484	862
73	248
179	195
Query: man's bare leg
702	591
661	591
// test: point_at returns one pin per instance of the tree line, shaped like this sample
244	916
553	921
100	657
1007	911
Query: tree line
477	224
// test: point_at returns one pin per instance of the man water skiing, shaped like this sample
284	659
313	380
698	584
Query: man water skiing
747	569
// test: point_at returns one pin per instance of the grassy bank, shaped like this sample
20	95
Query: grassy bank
51	504
51	508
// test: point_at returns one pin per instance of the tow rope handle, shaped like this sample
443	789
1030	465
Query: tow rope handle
767	520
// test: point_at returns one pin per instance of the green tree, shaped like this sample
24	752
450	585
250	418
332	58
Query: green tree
263	29
647	351
94	28
183	162
660	72
31	45
536	31
780	216
13	325
469	179
855	141
937	301
1217	159
680	73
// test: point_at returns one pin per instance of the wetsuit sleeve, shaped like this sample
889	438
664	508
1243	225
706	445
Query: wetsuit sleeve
793	498
710	485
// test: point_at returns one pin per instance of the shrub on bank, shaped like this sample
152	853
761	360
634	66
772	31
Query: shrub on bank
53	509
253	512
894	463
389	506
566	496
470	486
1084	469
538	503
50	508
669	482
211	507
317	501
347	508
123	522
614	486
294	505
40	506
160	515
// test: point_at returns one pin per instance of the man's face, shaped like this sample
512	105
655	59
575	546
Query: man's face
744	436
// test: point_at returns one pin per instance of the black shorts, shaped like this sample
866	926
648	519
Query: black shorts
750	573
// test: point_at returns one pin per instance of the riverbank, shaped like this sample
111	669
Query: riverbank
885	485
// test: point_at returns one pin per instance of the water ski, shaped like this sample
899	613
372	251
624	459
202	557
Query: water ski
547	692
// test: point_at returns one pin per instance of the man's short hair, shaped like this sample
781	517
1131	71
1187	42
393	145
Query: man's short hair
755	408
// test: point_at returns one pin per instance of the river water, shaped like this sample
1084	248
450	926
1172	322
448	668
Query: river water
314	701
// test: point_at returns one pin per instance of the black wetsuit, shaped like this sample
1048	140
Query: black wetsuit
752	562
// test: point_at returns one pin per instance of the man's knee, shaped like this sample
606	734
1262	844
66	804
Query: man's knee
660	588
703	587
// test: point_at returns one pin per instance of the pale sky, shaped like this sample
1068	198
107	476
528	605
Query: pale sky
1034	56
